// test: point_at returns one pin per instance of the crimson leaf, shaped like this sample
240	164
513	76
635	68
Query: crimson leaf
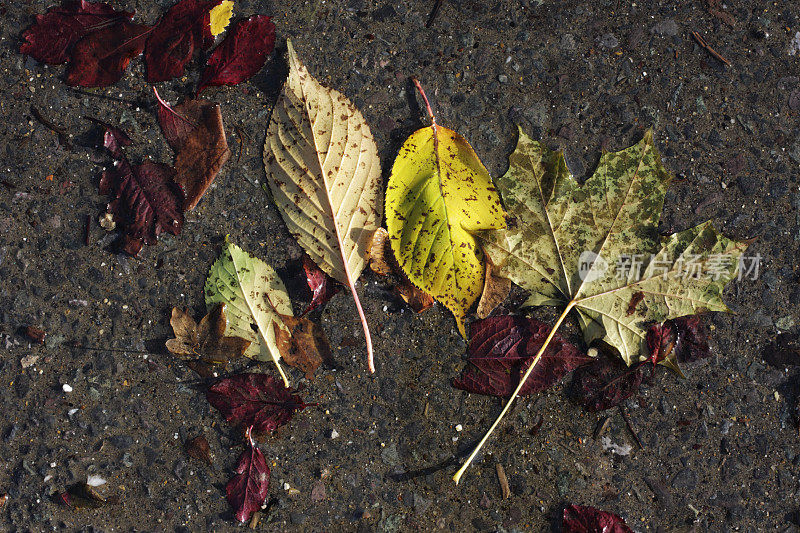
114	140
100	58
184	27
243	52
322	286
606	382
584	519
175	126
51	37
145	199
500	350
256	400
682	340
248	489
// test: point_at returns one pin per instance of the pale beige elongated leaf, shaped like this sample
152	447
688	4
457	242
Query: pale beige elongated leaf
597	245
254	298
324	172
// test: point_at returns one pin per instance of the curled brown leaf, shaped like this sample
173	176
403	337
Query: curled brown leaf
495	291
194	129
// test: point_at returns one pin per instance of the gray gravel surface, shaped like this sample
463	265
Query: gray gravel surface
721	447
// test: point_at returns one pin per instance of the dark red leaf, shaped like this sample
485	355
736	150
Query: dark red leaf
146	202
114	139
243	52
247	490
501	349
256	400
51	37
682	340
195	131
184	27
607	381
322	286
100	58
176	126
584	519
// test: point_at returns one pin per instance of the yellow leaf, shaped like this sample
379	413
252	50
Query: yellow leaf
221	16
439	195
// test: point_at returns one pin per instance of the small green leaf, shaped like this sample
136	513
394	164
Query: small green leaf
255	297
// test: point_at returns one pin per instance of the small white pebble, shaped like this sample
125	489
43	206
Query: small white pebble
95	481
286	486
459	427
334	433
66	387
72	411
48	477
592	352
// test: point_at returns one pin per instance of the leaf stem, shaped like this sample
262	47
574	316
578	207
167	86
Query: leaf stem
425	97
169	108
457	476
367	336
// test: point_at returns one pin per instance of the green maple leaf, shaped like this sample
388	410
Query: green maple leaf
595	248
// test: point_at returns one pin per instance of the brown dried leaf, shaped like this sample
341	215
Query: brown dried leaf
206	342
82	496
381	260
198	448
495	291
417	299
305	346
194	129
35	334
383	263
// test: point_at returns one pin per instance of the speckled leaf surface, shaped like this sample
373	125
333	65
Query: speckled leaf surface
439	195
570	243
324	172
254	298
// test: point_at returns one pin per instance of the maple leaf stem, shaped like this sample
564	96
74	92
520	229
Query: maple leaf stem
457	476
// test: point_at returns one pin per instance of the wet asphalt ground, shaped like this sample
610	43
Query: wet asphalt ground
719	449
